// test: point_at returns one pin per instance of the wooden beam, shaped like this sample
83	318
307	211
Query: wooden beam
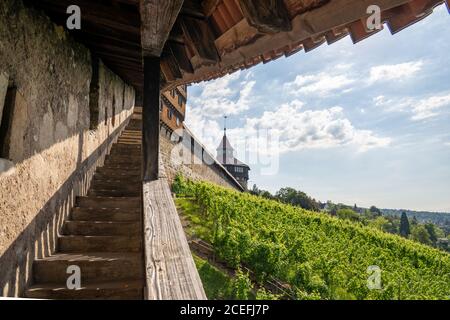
199	37
268	16
335	14
170	270
150	119
179	52
169	67
157	19
209	6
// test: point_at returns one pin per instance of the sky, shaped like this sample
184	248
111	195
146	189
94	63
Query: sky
365	123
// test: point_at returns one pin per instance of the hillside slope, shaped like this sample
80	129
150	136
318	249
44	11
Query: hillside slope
321	256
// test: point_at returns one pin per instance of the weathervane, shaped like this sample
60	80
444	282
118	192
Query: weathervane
225	125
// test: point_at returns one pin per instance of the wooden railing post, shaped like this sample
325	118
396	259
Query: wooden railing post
150	119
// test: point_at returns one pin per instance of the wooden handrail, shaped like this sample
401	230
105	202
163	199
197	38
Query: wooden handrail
170	270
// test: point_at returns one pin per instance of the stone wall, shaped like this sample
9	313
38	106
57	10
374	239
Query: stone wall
189	157
52	153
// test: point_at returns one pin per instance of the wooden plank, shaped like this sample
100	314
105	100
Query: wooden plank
169	67
199	37
150	118
179	52
170	269
268	16
157	19
209	6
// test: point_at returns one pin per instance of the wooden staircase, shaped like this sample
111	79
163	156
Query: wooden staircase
103	235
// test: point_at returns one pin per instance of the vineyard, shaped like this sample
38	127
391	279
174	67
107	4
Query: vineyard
320	256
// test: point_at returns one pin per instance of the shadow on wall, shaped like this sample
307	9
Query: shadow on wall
39	239
49	134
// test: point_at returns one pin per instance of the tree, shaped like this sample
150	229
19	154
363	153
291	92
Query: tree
297	198
380	223
262	193
348	214
420	234
375	211
404	226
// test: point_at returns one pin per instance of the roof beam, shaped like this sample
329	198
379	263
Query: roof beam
209	6
268	16
199	37
157	19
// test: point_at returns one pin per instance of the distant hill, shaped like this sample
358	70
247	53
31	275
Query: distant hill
439	218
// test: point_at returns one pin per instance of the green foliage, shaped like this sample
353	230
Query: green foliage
348	214
297	198
374	210
380	223
319	255
242	286
420	234
263	294
217	285
404	226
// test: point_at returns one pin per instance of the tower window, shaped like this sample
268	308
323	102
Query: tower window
169	113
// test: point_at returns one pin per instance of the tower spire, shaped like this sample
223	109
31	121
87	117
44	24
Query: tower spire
225	125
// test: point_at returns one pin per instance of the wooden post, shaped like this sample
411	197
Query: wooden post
150	119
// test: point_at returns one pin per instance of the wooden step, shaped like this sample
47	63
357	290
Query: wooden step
106	214
101	228
117	179
70	244
95	267
116	184
122	165
100	192
109	202
134	148
118	172
114	290
124	160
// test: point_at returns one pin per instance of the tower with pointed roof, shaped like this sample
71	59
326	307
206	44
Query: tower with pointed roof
225	155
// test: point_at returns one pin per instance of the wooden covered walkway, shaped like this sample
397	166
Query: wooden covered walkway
157	45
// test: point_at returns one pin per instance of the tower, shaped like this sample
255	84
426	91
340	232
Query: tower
225	155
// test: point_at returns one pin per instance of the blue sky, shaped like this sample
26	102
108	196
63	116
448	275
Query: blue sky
366	123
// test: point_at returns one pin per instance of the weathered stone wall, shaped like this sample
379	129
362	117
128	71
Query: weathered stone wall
52	151
189	158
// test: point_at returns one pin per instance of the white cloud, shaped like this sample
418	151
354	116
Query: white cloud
294	129
218	97
420	109
427	108
320	83
394	71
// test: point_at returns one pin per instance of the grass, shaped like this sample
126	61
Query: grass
217	285
199	227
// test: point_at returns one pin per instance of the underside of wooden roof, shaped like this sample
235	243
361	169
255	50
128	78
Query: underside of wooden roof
211	38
